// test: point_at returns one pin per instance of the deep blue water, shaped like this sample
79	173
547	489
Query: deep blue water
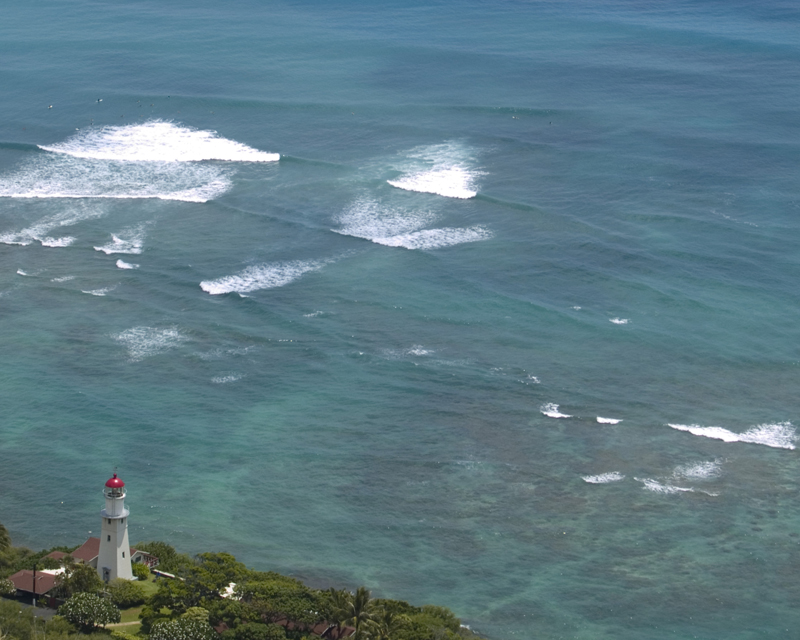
345	363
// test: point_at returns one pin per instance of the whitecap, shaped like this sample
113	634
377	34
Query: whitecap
780	435
551	411
62	279
64	241
436	238
608	420
129	241
21	272
313	314
534	379
619	320
99	292
701	470
226	379
603	478
419	350
441	169
265	276
156	141
658	487
121	264
143	342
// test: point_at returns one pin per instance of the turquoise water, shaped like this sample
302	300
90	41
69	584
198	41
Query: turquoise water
345	363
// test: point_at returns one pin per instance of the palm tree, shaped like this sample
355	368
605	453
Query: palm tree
356	610
387	624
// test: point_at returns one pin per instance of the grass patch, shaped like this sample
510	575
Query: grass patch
150	585
130	615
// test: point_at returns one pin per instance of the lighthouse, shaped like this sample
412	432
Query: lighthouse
114	557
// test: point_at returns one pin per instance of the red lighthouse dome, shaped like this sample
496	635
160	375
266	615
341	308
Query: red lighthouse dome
115	483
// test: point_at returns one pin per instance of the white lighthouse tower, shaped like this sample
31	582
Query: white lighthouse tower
114	558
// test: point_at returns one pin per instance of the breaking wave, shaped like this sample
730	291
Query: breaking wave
551	411
780	435
397	227
604	478
608	420
150	160
265	276
156	141
129	241
39	230
121	264
441	169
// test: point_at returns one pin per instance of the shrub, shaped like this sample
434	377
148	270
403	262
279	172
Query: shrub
125	593
140	571
88	611
7	587
182	629
255	631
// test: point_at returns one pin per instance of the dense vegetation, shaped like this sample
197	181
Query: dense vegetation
214	597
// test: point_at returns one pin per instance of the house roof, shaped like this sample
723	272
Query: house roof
88	551
23	581
56	555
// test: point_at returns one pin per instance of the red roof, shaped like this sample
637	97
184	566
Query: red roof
23	580
115	482
88	551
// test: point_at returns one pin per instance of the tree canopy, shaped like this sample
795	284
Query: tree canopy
88	611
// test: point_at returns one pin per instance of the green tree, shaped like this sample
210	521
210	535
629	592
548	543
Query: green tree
5	538
388	624
213	573
182	629
355	610
255	631
140	571
126	593
169	560
78	578
276	598
196	613
87	611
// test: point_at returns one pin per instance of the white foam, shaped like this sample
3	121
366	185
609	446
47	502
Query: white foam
372	220
780	435
71	215
99	292
619	320
419	350
265	276
699	470
226	379
604	478
608	420
143	342
21	272
534	379
551	411
435	238
441	169
64	176
313	314
658	487
63	279
121	264
454	182
157	141
65	241
129	241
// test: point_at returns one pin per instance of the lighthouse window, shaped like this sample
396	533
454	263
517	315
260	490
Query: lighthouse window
109	521
123	554
109	538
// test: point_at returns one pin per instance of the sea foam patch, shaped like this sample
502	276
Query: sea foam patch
604	478
442	169
398	227
38	231
143	342
698	470
130	240
780	435
608	420
551	411
154	159
264	276
121	264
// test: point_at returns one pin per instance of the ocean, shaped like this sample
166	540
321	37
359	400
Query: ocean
492	305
